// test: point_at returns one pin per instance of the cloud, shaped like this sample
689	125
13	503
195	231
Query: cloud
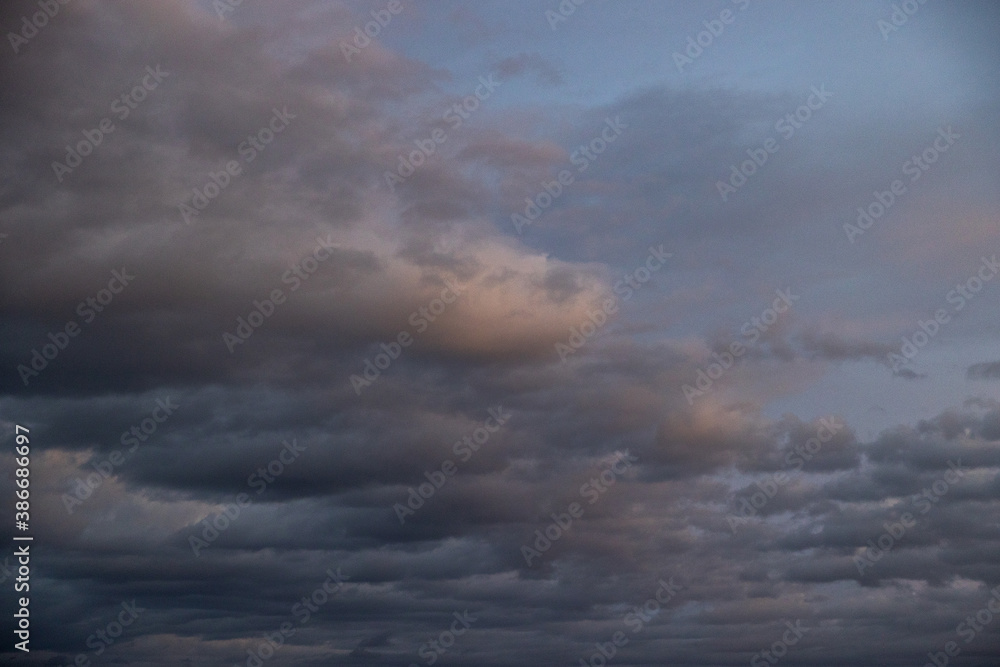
984	371
523	63
393	262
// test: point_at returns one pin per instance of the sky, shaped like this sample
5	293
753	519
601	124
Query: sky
500	333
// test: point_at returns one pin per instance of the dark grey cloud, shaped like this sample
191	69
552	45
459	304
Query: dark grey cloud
984	371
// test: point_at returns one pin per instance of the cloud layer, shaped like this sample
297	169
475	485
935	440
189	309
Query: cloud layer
273	397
